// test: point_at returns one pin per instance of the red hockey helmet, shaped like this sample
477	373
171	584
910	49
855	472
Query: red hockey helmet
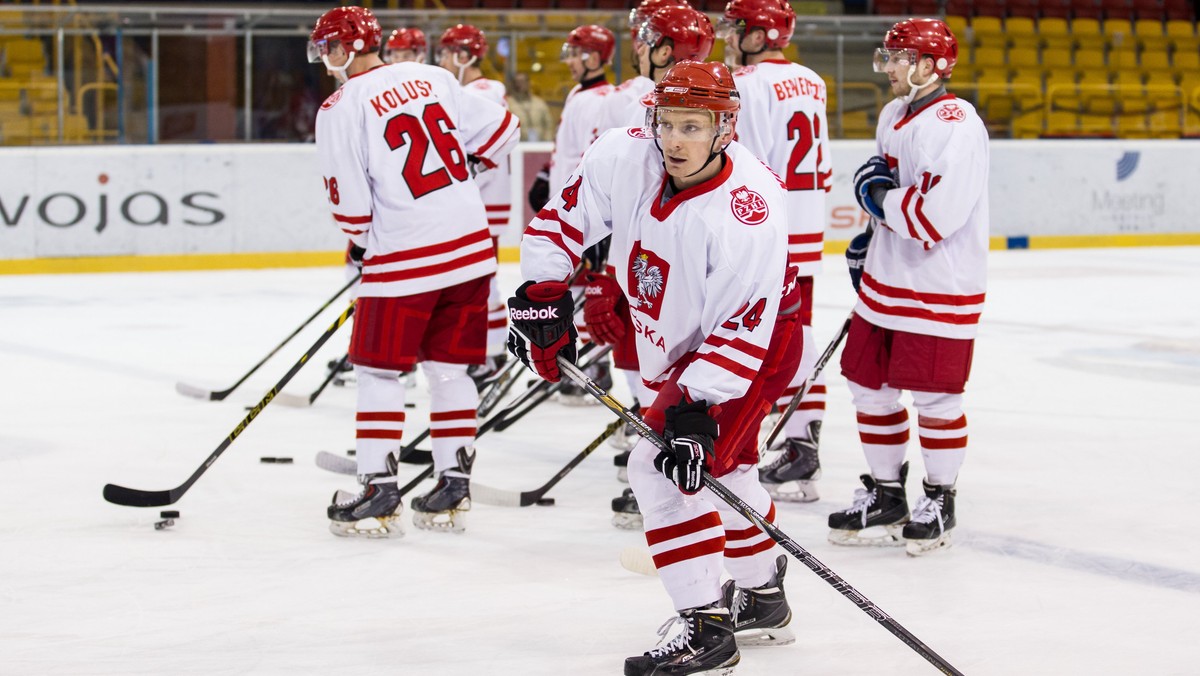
354	27
639	14
691	84
591	38
410	39
918	38
688	29
775	17
467	38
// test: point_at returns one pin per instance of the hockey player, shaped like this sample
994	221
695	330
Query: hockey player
666	34
396	146
461	50
783	122
406	44
698	237
921	292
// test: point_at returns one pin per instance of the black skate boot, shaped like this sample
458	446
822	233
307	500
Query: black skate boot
760	615
444	508
883	503
792	477
932	520
372	513
572	394
626	514
704	644
487	372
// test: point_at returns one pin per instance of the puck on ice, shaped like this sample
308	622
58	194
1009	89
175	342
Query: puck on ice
545	502
281	461
169	514
159	525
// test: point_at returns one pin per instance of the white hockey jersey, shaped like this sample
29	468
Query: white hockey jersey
926	271
392	145
583	119
624	105
703	270
495	186
783	121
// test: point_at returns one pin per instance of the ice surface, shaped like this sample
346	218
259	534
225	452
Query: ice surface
1076	553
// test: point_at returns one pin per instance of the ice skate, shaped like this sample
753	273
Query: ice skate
932	521
626	514
760	615
488	372
571	394
877	517
792	477
697	641
444	508
374	512
621	462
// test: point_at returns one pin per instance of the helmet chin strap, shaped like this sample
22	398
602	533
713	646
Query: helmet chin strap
744	53
339	72
914	87
462	67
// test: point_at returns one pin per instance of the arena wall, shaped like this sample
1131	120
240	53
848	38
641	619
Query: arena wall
211	206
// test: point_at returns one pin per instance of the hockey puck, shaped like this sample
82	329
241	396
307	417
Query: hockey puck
266	459
169	514
283	461
165	523
545	502
350	452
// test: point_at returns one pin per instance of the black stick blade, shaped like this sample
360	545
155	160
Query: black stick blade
132	497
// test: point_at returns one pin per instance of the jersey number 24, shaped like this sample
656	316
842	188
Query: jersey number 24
434	126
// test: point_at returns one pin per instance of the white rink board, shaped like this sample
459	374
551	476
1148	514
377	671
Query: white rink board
212	199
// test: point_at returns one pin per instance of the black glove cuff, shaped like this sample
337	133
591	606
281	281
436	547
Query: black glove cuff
691	418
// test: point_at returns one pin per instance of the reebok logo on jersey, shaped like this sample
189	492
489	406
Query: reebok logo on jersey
748	206
528	315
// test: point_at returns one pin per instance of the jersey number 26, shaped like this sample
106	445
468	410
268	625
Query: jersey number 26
434	126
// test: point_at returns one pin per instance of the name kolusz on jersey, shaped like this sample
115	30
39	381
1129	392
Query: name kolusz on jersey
543	313
394	98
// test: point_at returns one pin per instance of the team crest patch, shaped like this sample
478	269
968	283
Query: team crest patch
640	132
648	276
748	206
951	113
332	100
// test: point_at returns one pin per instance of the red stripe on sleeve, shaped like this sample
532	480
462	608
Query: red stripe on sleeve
352	220
496	136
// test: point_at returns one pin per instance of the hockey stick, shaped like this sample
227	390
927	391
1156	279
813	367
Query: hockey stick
796	399
133	497
496	496
792	547
498	387
218	395
516	410
297	401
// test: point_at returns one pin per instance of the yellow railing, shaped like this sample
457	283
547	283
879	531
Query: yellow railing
99	132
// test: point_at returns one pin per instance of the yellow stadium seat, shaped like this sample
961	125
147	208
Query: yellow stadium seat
1182	35
1054	30
1095	124
1164	123
1095	94
1191	122
1091	58
1027	124
1086	33
1026	86
1132	125
988	31
1156	60
1122	59
1019	25
1057	56
1117	30
1020	55
1186	61
1060	89
958	26
1129	92
989	57
1146	28
1062	123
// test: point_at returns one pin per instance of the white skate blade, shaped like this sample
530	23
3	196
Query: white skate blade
638	560
373	528
793	491
293	400
627	521
875	536
763	638
923	547
193	391
449	521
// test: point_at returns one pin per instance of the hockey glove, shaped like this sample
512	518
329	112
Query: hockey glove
856	256
602	298
541	327
690	429
539	192
354	255
871	183
477	165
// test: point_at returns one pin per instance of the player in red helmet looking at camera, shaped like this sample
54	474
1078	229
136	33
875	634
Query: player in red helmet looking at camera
406	44
698	243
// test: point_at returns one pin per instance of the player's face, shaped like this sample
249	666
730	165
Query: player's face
404	55
687	137
896	66
576	60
